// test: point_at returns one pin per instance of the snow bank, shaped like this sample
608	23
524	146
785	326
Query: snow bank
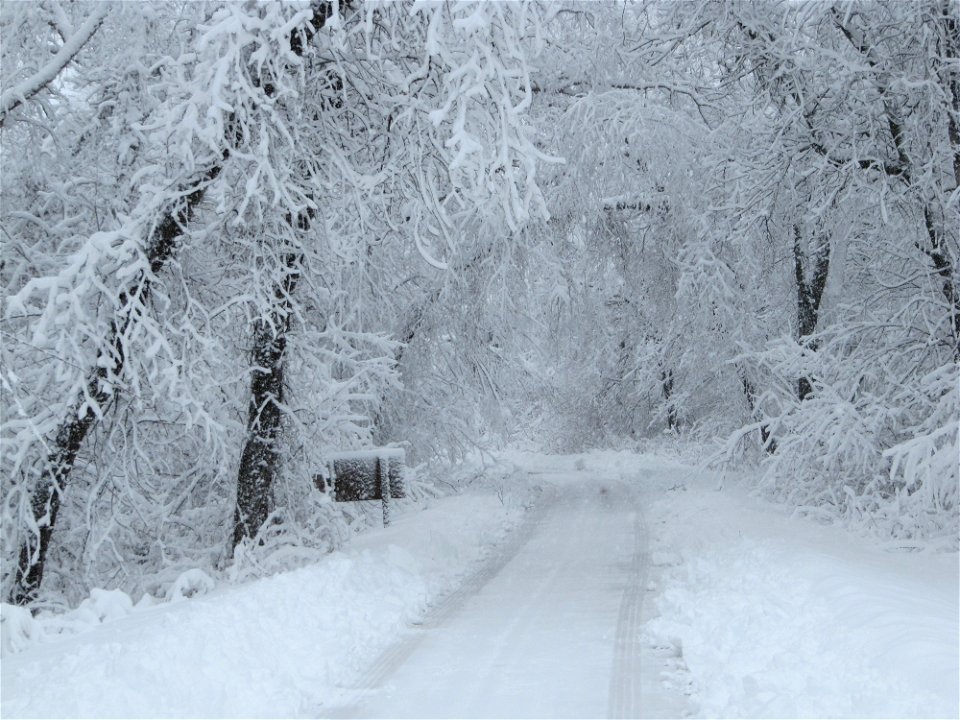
780	617
275	647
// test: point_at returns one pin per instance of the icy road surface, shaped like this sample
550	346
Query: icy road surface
550	628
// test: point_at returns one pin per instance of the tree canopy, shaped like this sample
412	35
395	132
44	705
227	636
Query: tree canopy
238	237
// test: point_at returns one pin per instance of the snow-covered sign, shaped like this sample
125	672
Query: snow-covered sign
360	474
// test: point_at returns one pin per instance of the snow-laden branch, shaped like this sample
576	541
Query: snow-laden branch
27	88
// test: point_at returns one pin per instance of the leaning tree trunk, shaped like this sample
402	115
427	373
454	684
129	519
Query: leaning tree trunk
81	418
260	460
948	42
937	249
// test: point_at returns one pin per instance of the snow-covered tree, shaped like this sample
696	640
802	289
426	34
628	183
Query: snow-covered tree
238	236
272	145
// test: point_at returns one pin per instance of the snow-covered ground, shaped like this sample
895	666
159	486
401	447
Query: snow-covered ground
658	594
773	616
275	647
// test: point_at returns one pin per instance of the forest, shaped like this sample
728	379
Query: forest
238	237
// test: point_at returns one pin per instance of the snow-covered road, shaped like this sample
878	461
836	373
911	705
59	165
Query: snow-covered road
553	630
628	585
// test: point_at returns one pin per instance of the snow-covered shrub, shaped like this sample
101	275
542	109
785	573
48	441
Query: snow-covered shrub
868	445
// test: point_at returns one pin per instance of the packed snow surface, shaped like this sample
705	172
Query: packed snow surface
546	635
633	586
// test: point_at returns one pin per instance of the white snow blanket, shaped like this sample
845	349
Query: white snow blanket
774	616
746	612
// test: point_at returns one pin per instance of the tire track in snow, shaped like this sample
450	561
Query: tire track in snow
394	656
625	678
509	651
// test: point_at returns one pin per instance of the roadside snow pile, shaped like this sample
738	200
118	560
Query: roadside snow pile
781	617
19	629
274	647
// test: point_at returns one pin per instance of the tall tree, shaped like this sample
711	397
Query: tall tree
206	128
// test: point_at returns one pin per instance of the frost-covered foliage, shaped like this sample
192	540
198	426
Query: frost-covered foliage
201	181
865	445
450	225
862	398
764	198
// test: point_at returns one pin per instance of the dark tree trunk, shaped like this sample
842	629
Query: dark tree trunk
943	267
666	378
260	460
81	418
809	296
950	74
947	53
262	453
750	393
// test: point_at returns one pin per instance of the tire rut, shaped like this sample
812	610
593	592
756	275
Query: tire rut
394	656
625	678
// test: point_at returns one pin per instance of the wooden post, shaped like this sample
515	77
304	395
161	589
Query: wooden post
383	475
